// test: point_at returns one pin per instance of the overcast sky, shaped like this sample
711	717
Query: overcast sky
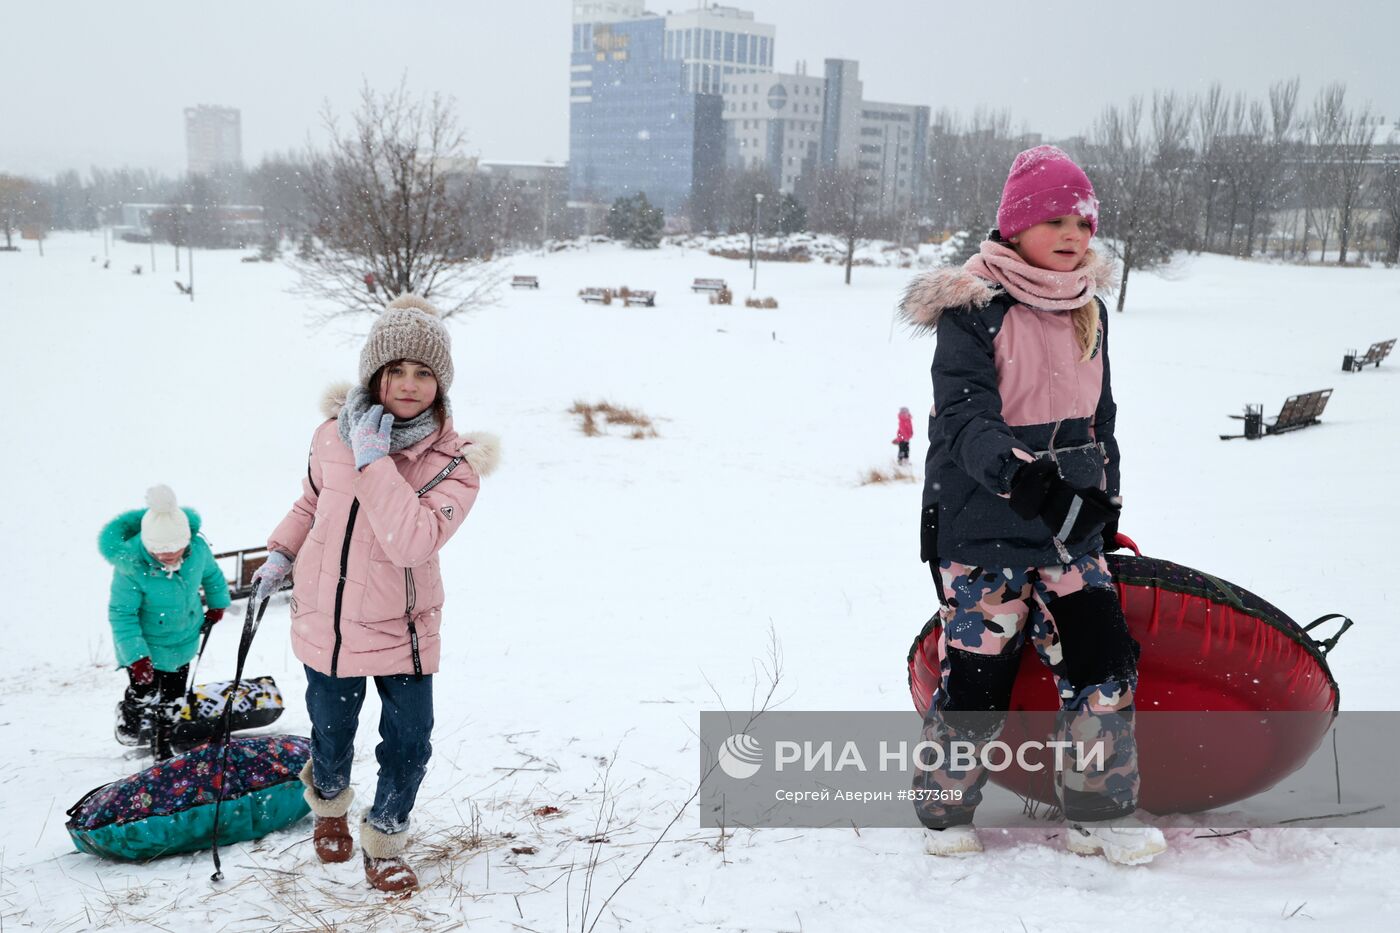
105	83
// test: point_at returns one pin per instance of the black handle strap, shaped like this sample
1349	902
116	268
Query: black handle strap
1327	644
205	631
251	620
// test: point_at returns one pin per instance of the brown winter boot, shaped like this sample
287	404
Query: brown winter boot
332	834
385	870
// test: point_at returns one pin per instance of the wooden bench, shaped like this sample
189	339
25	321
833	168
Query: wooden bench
525	281
245	563
647	299
601	296
1298	411
1351	363
709	285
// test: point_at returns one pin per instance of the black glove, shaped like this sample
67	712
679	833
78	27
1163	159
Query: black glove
1071	514
1110	535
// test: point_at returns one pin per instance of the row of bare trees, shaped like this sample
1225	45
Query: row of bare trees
390	204
1244	177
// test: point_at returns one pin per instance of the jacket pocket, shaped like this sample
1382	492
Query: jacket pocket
1082	467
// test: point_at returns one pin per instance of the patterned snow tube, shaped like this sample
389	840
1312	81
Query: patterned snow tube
169	807
1207	645
258	703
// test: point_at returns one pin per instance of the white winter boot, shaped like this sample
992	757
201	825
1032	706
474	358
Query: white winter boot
953	841
1124	841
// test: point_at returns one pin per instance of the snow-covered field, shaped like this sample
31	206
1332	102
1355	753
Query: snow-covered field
605	589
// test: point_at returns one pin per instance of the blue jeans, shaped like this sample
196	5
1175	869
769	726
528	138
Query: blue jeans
405	730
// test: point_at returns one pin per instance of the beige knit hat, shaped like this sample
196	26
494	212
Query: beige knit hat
408	329
165	527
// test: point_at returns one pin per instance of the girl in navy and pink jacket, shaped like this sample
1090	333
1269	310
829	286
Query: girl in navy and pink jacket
1020	499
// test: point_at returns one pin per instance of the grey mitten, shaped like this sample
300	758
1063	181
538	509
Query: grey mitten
369	438
268	578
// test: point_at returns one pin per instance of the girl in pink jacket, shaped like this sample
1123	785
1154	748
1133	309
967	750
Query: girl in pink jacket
903	434
388	483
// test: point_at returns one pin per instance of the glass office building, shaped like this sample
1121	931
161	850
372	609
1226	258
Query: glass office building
645	112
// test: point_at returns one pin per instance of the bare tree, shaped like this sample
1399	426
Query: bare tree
1131	213
840	205
382	207
17	204
1388	193
1325	130
1171	164
1353	156
1212	114
736	199
966	168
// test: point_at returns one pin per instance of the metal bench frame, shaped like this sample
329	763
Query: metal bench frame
1351	363
1298	411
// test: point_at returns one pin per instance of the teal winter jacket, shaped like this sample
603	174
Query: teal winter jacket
154	613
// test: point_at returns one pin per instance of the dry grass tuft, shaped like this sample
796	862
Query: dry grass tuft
768	303
610	414
877	477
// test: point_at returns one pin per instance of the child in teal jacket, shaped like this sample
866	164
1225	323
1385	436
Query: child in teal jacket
156	611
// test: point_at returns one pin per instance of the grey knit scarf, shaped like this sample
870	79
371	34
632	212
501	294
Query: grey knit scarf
405	433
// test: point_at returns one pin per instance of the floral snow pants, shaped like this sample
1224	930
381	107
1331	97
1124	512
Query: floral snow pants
1073	618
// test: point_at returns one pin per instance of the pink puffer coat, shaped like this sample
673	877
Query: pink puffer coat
367	599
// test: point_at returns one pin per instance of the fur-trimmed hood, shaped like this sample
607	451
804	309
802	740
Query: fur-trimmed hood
479	448
932	293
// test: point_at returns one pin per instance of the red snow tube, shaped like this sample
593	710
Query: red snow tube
1207	645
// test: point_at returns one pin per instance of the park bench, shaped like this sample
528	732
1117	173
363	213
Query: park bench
245	564
601	296
709	285
525	281
647	299
1298	411
1351	363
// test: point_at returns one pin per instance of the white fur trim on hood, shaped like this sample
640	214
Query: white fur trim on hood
482	451
333	399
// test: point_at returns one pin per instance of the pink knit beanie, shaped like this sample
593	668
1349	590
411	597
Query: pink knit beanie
1044	184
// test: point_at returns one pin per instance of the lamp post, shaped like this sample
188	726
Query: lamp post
757	210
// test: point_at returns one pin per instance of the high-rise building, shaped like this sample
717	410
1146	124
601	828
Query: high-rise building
717	42
213	139
645	110
774	122
887	143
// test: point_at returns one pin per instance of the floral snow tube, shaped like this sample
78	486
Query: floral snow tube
1208	646
169	807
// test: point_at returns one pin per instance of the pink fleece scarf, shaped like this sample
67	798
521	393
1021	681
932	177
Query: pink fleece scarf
1032	285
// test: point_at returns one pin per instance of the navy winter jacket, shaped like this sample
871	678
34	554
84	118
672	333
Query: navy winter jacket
1007	376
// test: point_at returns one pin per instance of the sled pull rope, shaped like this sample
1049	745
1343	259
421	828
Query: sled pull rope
251	620
204	632
1326	645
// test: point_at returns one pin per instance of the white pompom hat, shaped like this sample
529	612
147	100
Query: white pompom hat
164	527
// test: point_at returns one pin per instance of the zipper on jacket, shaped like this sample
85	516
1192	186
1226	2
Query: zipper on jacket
340	585
1054	457
411	600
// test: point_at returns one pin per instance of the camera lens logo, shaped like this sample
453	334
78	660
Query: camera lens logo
741	756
